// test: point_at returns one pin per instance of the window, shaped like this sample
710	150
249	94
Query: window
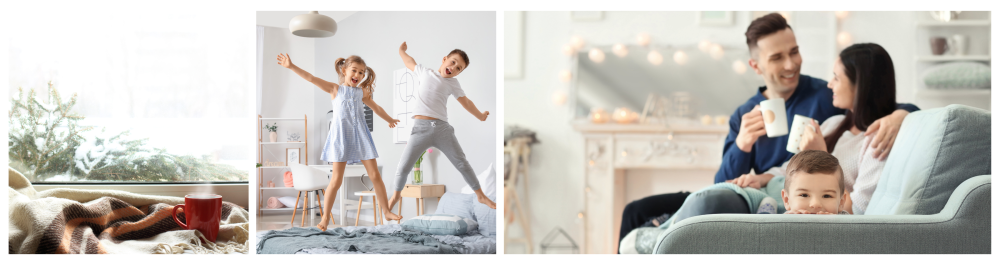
152	97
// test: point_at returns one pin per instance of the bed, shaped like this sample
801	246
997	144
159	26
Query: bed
474	243
390	238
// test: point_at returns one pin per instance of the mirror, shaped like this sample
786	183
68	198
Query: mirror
713	85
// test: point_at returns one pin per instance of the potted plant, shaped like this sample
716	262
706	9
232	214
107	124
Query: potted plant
418	175
274	131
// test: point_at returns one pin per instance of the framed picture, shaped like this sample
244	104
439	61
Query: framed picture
293	156
404	86
715	18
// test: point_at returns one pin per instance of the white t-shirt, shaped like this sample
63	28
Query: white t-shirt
433	91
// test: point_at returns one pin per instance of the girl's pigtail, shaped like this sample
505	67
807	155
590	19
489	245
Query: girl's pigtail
338	65
369	83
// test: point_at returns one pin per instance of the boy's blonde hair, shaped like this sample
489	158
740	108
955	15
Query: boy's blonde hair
341	65
814	161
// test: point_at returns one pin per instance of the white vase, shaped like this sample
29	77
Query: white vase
274	137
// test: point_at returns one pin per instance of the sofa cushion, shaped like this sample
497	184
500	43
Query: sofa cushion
935	151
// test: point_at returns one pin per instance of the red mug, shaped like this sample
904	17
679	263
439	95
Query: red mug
202	212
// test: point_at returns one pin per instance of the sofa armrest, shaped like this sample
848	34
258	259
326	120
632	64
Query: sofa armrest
963	226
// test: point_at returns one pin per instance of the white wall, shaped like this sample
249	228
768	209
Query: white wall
376	36
556	173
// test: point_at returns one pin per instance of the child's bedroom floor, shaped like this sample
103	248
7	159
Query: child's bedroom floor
281	222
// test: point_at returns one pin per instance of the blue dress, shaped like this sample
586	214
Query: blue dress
349	139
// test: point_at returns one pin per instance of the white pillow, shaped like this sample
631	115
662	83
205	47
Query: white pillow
289	202
441	224
487	182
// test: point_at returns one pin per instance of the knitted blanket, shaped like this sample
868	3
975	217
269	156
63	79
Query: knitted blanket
59	221
294	239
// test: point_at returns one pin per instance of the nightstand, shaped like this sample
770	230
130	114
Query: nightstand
420	192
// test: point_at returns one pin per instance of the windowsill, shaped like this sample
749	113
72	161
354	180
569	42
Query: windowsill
238	193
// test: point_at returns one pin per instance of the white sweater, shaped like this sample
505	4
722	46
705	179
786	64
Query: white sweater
861	171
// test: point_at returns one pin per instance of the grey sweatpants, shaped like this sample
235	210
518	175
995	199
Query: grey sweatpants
439	134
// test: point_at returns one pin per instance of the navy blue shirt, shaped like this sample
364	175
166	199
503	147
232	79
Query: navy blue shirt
811	98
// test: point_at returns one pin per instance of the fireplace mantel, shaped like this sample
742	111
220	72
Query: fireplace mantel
611	149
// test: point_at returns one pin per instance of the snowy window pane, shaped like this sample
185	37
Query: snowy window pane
182	91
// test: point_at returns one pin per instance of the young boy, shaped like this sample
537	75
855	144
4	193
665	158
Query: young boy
815	185
431	128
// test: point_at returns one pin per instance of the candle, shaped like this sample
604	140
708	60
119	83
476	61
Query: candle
624	115
598	115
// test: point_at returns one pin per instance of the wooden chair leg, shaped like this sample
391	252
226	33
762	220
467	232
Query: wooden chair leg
319	202
360	200
295	207
400	211
374	212
304	204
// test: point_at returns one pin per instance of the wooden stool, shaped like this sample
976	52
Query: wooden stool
375	215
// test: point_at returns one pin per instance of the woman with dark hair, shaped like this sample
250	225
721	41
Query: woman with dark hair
864	85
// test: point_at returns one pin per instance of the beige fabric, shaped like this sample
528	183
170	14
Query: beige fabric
30	212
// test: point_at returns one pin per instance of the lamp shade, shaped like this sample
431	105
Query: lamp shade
313	25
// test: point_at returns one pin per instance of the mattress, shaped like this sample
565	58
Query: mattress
473	243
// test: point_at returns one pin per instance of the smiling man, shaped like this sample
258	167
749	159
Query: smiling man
775	56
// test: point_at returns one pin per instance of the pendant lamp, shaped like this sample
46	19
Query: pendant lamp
313	25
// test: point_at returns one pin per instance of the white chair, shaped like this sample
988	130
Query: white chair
376	214
308	179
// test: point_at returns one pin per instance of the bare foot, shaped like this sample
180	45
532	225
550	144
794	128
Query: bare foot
322	223
391	216
487	201
393	200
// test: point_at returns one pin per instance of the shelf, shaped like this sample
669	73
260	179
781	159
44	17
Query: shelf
953	92
282	119
955	23
277	188
949	58
279	209
282	142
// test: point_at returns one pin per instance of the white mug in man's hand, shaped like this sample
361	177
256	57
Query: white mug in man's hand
799	125
775	119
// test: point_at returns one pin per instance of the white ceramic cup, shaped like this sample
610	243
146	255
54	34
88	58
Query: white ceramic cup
775	119
959	43
799	125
